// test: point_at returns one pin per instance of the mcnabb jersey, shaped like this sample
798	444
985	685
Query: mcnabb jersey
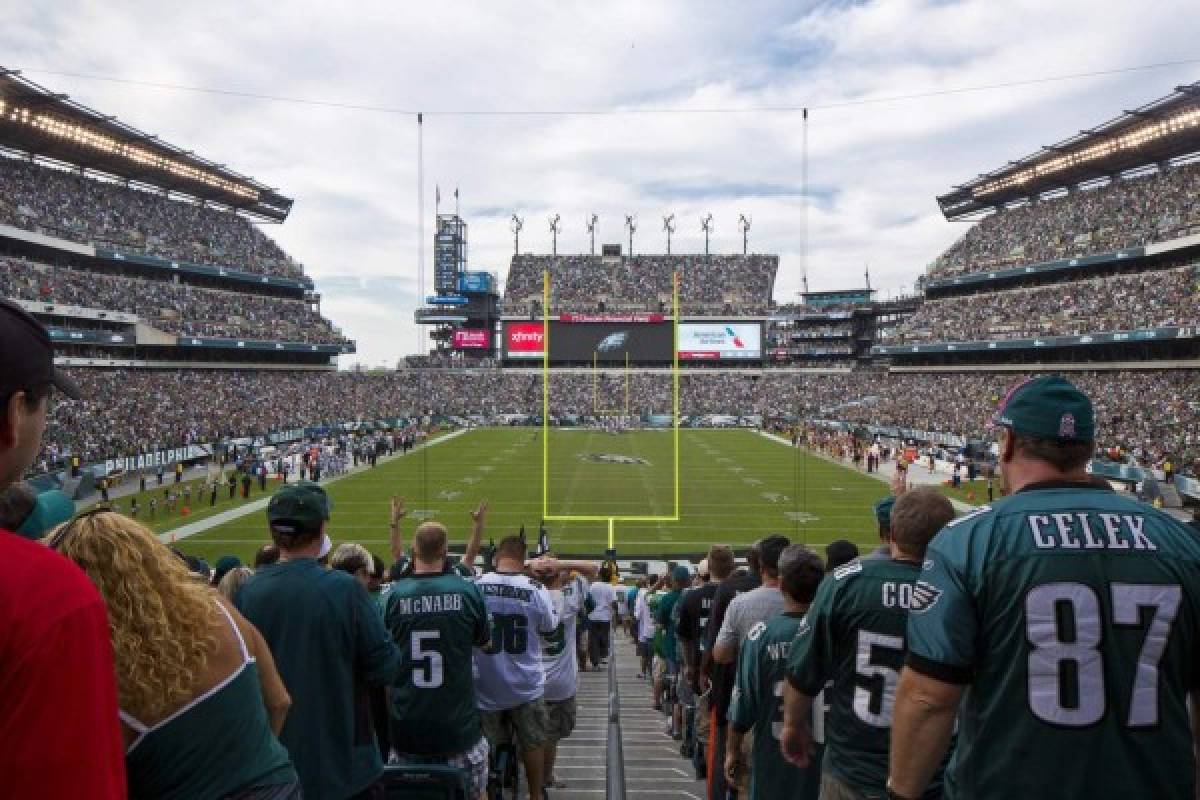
436	620
509	670
558	646
1072	612
758	704
854	636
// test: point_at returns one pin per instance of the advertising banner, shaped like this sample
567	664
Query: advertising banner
523	340
617	318
471	339
719	341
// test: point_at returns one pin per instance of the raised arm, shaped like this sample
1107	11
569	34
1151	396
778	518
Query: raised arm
395	539
478	520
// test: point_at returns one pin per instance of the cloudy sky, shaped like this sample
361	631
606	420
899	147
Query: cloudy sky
875	167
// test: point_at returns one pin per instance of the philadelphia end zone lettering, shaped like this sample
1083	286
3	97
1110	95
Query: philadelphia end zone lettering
159	458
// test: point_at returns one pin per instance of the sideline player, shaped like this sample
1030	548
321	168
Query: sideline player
756	704
436	619
854	636
1073	613
510	679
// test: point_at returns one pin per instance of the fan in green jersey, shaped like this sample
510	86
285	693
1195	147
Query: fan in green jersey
854	636
756	704
436	618
402	565
1071	612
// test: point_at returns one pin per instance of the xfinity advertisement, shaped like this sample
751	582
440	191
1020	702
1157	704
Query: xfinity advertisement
719	341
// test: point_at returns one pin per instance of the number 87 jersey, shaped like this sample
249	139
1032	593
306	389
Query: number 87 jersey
854	636
1071	613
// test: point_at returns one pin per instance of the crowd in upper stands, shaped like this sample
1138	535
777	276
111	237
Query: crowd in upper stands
171	307
1148	414
1123	213
1118	303
718	284
82	209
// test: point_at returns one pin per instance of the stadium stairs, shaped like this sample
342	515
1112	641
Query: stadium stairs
652	766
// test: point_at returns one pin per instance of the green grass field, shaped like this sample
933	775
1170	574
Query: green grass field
735	487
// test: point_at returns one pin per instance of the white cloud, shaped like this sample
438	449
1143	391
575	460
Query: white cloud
875	169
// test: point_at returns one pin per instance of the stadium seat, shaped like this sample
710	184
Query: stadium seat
425	782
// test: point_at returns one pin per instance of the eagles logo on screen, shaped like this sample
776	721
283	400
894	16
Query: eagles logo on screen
925	596
612	342
614	458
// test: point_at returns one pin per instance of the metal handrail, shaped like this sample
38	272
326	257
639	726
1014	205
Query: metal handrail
615	778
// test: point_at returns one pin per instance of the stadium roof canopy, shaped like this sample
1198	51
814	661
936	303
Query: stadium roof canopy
35	121
1155	133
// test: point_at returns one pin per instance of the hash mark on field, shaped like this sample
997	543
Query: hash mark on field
800	516
485	468
837	488
469	480
775	497
423	513
752	481
446	494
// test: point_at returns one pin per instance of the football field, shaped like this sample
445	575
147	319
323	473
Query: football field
735	486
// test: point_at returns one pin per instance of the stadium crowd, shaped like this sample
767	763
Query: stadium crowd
718	284
82	209
1149	415
171	307
302	676
1123	213
1117	303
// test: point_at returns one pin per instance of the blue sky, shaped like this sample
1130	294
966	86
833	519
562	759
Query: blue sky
874	169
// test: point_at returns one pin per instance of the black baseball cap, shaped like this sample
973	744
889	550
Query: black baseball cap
26	354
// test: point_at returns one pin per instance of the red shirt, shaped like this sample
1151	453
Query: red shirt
58	718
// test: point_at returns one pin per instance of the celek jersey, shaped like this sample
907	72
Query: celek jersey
558	646
509	671
1073	613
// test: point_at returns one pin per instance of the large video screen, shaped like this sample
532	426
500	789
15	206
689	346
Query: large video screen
581	342
719	341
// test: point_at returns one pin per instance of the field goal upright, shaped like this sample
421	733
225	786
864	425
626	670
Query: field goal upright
627	377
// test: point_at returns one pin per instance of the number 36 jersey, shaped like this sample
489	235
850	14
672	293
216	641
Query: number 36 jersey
509	670
854	636
1072	612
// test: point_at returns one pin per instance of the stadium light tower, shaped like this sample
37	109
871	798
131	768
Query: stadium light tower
631	226
515	225
555	227
744	227
669	227
707	226
591	229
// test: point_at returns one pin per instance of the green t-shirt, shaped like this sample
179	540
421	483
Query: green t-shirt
330	646
666	623
1072	612
757	705
436	621
854	636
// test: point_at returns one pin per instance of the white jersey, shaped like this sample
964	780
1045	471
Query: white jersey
645	618
509	671
603	597
558	647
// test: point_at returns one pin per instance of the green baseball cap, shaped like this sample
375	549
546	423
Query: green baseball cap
883	511
304	504
52	508
1048	408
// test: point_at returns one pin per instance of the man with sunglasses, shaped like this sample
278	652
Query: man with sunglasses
59	720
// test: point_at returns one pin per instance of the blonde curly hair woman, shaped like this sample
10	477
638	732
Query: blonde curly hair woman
201	701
